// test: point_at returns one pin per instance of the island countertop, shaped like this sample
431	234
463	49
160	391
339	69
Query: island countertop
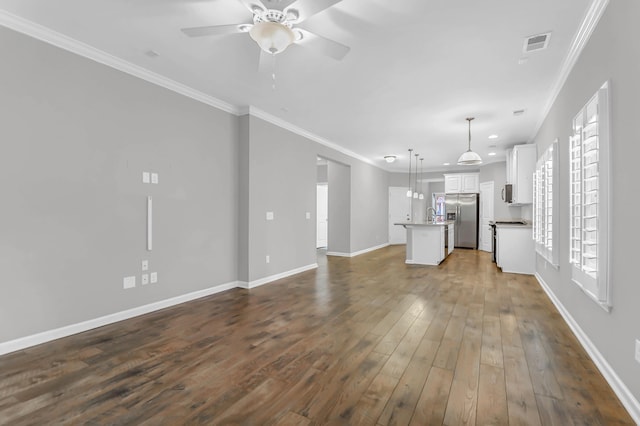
405	224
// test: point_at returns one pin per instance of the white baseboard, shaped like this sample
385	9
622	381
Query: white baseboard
357	253
370	249
271	278
47	336
338	253
626	397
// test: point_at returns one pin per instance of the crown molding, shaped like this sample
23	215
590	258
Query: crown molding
258	113
69	44
72	45
591	19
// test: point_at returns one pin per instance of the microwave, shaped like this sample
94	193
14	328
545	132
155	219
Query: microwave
507	193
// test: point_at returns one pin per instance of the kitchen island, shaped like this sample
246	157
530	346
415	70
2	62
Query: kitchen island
428	243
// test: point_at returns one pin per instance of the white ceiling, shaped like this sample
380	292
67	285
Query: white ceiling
416	69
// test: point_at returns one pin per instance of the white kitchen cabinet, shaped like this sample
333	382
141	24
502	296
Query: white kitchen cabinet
515	251
521	164
452	184
470	183
462	183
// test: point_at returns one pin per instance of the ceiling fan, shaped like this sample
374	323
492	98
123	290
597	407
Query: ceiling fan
275	29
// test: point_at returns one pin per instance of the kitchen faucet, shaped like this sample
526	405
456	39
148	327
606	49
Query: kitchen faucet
433	215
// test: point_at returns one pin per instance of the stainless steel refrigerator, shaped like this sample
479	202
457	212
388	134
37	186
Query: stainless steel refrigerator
463	209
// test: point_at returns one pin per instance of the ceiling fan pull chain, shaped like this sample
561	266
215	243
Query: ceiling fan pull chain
273	74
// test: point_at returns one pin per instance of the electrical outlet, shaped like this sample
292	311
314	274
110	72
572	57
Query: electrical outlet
308	215
145	265
154	178
129	282
154	277
637	350
145	279
268	259
146	177
270	216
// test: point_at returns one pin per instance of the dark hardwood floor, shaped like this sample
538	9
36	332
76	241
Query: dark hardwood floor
367	340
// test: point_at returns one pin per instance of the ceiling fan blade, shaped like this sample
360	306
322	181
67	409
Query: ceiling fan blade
252	4
323	45
213	30
307	8
266	62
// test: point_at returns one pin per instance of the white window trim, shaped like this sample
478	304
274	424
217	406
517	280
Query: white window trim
598	288
548	250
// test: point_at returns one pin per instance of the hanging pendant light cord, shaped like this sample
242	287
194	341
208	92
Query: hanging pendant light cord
469	120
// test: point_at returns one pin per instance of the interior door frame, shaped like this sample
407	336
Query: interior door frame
393	229
324	185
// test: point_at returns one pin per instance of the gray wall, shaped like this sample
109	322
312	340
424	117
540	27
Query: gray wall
497	172
369	206
357	189
76	137
612	53
339	215
275	155
322	173
402	179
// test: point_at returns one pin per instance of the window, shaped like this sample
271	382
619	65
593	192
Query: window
589	169
544	191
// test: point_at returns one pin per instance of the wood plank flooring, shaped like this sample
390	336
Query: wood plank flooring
367	340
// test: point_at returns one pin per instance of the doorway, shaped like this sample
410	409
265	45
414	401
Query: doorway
322	215
399	211
333	208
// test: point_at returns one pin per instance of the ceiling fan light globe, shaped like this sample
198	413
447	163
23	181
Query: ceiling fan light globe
469	158
272	37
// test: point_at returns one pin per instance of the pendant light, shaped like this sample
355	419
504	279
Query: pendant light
469	158
421	196
415	192
410	192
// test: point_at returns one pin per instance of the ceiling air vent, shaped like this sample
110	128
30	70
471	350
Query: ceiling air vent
536	42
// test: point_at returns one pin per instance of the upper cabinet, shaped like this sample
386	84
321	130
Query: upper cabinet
521	164
462	183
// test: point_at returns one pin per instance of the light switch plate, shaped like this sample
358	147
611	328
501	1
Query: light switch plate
146	177
145	265
129	282
268	258
308	215
145	279
154	178
154	277
269	215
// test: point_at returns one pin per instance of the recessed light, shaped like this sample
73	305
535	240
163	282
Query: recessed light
389	158
446	164
493	137
491	154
